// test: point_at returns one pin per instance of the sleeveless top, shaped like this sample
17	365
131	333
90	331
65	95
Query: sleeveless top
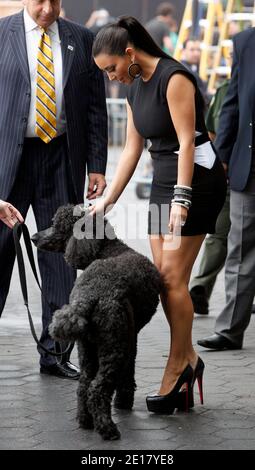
151	114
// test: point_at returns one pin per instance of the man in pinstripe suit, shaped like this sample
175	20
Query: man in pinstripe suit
47	140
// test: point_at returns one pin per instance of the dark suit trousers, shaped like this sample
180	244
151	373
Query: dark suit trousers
43	181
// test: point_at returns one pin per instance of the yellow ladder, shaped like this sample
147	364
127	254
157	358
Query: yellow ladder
214	14
214	19
184	30
224	44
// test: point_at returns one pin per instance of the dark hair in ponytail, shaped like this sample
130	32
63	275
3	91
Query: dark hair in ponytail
113	39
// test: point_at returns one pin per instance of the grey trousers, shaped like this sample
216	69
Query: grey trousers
214	253
240	266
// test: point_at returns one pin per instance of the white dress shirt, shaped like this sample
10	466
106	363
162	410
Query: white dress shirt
33	35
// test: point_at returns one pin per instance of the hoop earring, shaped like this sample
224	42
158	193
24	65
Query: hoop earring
137	69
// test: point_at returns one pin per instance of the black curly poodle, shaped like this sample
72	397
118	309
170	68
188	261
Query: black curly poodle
114	297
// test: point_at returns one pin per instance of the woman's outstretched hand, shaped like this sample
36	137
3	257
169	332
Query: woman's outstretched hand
100	207
9	215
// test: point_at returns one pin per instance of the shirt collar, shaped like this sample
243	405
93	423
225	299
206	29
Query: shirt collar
30	24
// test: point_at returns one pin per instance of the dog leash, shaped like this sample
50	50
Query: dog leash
19	229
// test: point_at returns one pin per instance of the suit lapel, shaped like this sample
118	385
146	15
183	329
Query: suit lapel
18	43
68	49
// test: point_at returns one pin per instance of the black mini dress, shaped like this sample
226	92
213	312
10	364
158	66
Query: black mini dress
153	121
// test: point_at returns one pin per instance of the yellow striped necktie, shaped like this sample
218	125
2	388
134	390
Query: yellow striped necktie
46	110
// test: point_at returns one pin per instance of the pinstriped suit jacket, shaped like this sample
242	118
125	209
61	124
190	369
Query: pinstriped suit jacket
84	96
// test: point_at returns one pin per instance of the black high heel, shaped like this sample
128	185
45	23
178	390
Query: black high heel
167	403
197	375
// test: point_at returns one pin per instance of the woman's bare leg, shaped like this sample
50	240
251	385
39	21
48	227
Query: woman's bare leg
175	266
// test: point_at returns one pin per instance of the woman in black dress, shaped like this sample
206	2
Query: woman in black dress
188	188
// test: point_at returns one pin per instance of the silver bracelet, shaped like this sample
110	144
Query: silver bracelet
182	199
180	204
182	186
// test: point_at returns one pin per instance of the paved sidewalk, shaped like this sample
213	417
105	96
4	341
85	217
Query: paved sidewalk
38	412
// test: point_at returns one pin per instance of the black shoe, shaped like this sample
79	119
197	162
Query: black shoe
72	367
253	309
199	300
60	370
198	375
218	342
166	404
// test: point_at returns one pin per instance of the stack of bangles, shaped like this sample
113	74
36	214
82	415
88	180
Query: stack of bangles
182	196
